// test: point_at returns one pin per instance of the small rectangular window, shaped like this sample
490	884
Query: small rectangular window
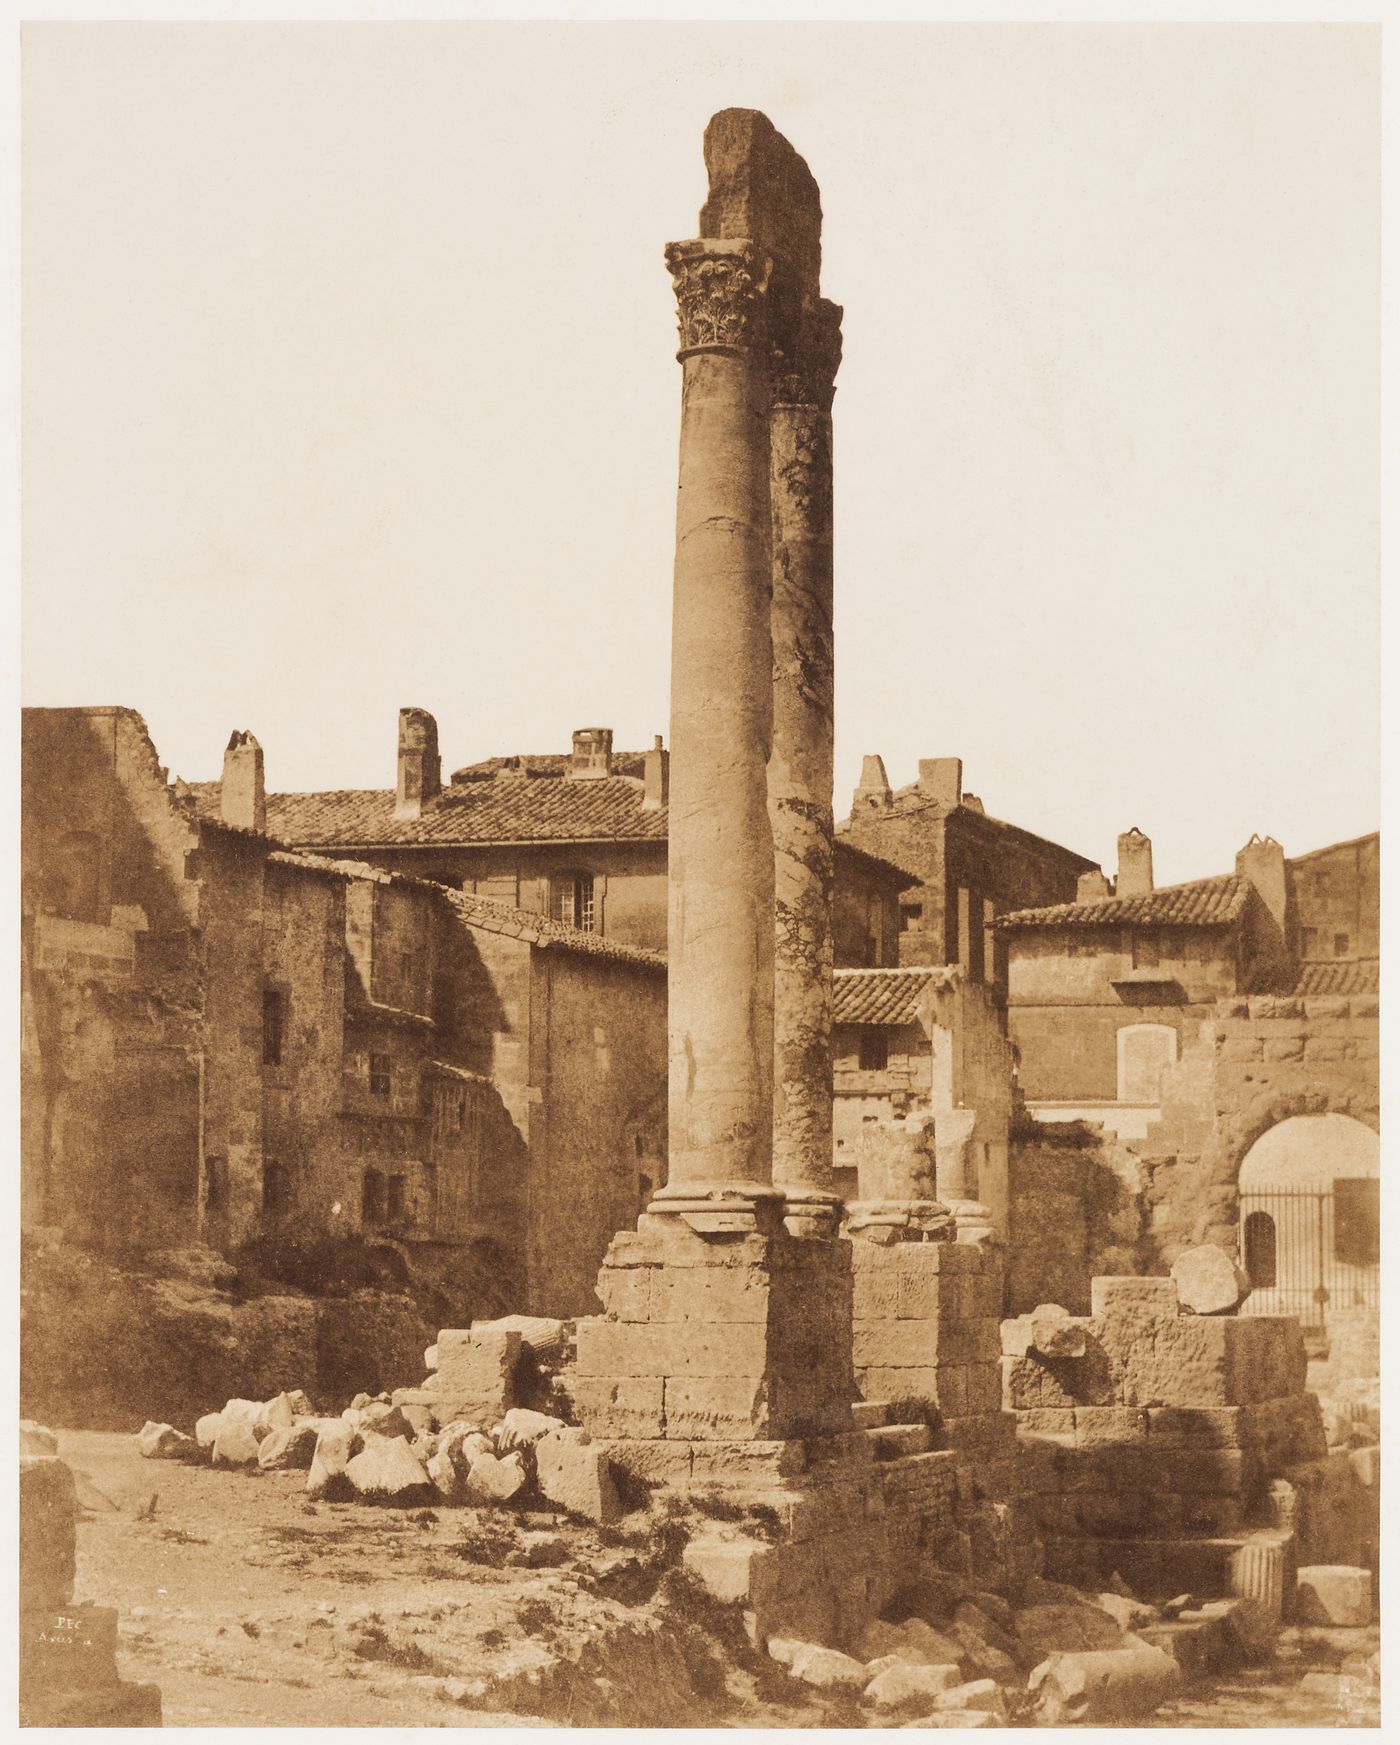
274	1024
874	1048
397	1198
381	1075
1341	944
276	1187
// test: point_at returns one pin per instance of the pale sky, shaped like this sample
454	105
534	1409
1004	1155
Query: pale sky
349	382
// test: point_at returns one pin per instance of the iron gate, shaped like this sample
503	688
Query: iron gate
1308	1249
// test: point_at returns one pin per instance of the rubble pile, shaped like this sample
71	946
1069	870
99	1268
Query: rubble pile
458	1438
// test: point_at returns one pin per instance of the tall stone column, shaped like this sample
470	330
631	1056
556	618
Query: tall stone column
720	930
801	768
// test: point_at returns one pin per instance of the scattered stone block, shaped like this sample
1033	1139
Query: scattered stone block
380	1419
1209	1281
978	1694
1127	1613
495	1480
430	1357
164	1442
1334	1593
1068	1629
206	1430
238	1441
1104	1688
48	1513
336	1443
914	1642
1151	1296
576	1476
246	1411
289	1450
387	1470
1366	1464
522	1428
827	1669
903	1688
541	1333
36	1440
476	1373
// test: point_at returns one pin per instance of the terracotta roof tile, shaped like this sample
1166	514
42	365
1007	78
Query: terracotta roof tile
1339	978
1202	903
884	996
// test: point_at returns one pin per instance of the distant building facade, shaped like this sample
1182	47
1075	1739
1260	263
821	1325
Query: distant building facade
971	868
227	1042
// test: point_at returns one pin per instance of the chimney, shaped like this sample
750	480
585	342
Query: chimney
592	754
242	794
1092	887
656	777
873	794
1134	864
420	767
1268	965
940	779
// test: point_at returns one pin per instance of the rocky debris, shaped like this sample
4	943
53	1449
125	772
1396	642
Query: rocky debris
538	1333
336	1444
914	1642
1067	1629
978	1696
575	1475
289	1449
1174	1607
36	1440
1103	1688
825	1669
381	1418
248	1411
904	1688
164	1442
238	1441
387	1470
206	1430
1334	1593
1209	1281
449	1465
1127	1613
430	1357
419	1407
495	1479
522	1428
1047	1331
538	1550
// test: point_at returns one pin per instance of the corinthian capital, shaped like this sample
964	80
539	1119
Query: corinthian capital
719	293
805	375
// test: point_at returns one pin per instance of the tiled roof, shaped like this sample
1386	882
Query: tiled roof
507	808
1202	903
1339	978
883	996
486	913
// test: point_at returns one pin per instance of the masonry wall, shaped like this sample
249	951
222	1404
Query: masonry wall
598	1136
1075	1211
1335	897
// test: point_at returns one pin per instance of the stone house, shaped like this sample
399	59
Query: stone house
917	1046
577	836
971	868
230	1043
1202	1063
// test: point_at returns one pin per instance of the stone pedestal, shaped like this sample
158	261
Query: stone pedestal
713	1339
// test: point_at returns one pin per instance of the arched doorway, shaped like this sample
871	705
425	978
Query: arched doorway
1310	1218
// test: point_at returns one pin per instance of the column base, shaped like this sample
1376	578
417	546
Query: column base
884	1222
813	1214
718	1208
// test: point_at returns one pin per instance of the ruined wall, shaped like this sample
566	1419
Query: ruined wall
1334	894
1076	1210
598	1136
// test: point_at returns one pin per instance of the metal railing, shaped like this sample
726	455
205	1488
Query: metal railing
1302	1258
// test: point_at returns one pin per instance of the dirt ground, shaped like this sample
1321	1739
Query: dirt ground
251	1606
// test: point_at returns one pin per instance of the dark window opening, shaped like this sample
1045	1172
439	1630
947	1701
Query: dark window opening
276	1188
274	1026
1261	1250
874	1048
1341	944
911	917
372	1198
396	1198
381	1075
1356	1220
215	1184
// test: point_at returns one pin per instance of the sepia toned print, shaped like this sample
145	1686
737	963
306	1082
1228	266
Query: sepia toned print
588	1239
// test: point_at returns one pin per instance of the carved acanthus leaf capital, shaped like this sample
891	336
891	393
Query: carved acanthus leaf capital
719	293
807	376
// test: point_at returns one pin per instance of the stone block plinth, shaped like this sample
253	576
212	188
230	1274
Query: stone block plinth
717	1338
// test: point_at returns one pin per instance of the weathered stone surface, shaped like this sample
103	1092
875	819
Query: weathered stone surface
238	1441
1334	1593
289	1450
476	1373
384	1420
979	1695
827	1669
35	1439
1126	1612
449	1467
1209	1281
430	1357
336	1443
386	1470
914	1642
48	1513
246	1411
543	1334
576	1476
1153	1296
206	1430
1067	1629
495	1480
164	1442
904	1687
1111	1686
522	1428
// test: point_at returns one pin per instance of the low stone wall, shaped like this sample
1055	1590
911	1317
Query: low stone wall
1151	1452
1076	1210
